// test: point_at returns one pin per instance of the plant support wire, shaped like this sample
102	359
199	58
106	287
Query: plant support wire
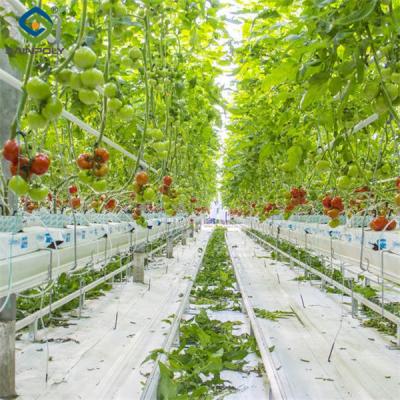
17	84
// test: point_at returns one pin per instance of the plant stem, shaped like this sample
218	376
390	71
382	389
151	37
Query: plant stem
78	41
106	77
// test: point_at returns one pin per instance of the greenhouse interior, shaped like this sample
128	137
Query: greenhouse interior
200	199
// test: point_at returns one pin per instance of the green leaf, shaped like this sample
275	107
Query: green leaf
167	388
363	9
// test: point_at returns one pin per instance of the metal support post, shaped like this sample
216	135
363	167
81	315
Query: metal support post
170	247
7	347
138	266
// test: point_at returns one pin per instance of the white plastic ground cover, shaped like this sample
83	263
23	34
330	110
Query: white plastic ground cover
92	360
345	242
362	365
32	268
248	384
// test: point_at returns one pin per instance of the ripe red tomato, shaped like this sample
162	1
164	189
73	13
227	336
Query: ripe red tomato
380	223
101	155
111	204
85	161
40	164
73	189
11	150
141	178
392	225
167	180
337	202
21	166
75	202
326	201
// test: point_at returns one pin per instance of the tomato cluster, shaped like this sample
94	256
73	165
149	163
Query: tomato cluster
48	107
296	197
333	208
94	166
169	196
22	168
381	223
142	193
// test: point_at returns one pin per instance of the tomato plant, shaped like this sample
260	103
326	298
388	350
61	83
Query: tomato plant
138	74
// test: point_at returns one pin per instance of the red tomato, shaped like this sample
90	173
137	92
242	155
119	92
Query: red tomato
21	166
337	202
85	161
326	202
40	164
167	180
141	178
75	202
73	189
111	204
101	155
11	150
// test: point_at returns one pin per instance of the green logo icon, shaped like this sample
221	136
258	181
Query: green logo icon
35	25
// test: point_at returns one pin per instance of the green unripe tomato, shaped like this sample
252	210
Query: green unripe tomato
64	76
323	166
35	120
99	185
18	185
343	182
126	113
38	89
52	109
135	53
85	57
353	171
110	90
88	96
114	104
91	78
38	193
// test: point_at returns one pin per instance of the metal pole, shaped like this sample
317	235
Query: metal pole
7	348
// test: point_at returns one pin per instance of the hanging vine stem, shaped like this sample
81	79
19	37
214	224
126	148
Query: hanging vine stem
146	60
106	77
23	99
78	41
378	67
